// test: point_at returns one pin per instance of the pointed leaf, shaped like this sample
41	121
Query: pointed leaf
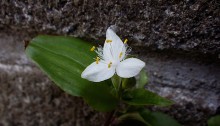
158	119
144	97
63	59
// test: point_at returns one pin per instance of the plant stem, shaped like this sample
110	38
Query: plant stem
109	118
117	83
119	90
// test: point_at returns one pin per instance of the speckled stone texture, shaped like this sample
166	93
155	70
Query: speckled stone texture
178	39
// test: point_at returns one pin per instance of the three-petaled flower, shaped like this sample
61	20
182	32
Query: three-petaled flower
111	60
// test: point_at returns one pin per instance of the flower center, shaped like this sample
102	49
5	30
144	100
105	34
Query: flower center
92	49
109	65
125	41
97	60
120	55
108	41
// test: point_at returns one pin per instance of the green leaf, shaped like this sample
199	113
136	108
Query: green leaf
144	97
158	118
131	119
128	83
143	79
63	59
99	97
214	121
147	117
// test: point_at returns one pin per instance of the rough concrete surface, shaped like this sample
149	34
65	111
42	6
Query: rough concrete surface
179	24
178	40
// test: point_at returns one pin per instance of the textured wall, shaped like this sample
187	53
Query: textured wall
188	25
178	40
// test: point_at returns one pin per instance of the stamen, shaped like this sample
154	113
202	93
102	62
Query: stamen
110	64
125	41
92	49
97	60
108	41
120	55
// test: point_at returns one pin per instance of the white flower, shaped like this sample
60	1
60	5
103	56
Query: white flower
111	60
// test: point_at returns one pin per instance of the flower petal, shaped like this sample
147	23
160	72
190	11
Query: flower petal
112	50
98	72
129	67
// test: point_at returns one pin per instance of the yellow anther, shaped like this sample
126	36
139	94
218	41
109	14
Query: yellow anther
110	64
97	60
92	49
108	41
125	41
120	55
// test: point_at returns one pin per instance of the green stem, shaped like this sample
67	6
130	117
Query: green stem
117	83
119	91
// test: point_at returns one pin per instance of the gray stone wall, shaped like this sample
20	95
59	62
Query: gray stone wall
178	40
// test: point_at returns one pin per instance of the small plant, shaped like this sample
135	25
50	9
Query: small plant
106	82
